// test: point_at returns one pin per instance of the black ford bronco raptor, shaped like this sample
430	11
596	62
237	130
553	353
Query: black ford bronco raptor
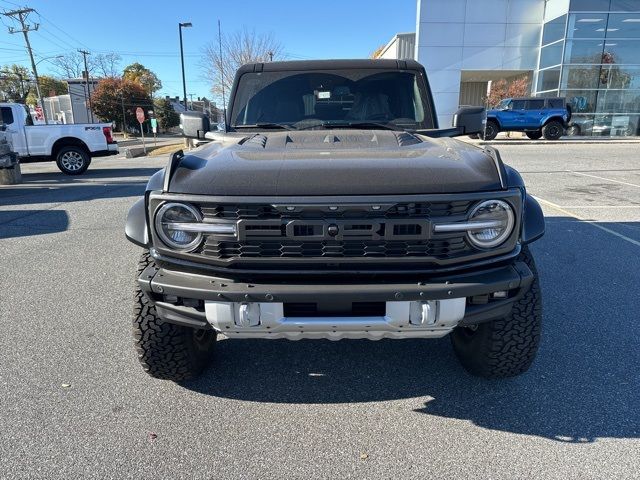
332	206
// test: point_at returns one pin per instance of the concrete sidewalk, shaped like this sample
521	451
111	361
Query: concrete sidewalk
561	141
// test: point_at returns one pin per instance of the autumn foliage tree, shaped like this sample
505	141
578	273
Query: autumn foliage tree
508	88
112	94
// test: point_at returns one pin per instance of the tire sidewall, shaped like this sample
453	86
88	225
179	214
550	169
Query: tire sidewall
86	160
552	130
491	130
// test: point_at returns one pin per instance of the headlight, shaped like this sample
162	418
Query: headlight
172	221
491	223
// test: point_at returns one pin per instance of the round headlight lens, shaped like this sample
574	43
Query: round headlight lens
168	217
497	212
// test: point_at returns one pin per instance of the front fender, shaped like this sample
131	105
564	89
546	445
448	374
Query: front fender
532	220
136	229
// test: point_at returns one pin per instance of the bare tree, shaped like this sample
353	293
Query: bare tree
238	48
107	65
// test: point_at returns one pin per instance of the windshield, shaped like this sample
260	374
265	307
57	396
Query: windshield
504	104
332	98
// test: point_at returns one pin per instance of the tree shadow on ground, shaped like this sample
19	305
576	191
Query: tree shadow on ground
48	221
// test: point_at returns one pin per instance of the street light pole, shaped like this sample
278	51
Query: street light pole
184	82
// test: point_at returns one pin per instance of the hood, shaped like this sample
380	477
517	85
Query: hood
335	162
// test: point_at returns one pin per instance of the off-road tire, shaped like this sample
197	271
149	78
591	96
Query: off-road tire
553	130
505	347
491	130
165	350
534	135
73	160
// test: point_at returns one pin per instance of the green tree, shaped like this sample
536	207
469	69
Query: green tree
113	94
166	115
14	83
49	87
137	72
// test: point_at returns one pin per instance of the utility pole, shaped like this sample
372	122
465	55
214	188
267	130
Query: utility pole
21	15
86	80
191	99
124	118
270	56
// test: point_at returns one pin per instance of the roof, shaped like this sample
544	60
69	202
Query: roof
384	64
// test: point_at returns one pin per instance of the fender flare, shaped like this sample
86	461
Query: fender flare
533	224
136	229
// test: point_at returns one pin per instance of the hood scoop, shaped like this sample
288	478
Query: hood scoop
405	139
257	140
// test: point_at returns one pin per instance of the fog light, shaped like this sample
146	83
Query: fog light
248	315
422	313
500	294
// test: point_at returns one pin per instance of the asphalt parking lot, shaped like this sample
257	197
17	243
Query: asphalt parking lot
75	403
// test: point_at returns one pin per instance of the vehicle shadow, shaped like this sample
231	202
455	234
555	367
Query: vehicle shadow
49	221
583	386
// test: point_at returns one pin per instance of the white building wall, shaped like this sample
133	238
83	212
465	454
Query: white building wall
457	35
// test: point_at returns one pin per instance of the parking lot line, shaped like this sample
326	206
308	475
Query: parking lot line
604	178
578	217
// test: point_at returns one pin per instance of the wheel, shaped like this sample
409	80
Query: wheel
491	129
553	130
167	351
73	160
534	135
507	346
573	130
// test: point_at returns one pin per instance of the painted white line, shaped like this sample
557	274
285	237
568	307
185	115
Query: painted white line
601	206
595	224
603	178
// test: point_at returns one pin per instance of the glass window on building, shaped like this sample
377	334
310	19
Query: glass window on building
624	6
551	55
548	79
587	25
618	101
580	76
581	101
620	77
621	51
624	25
589	5
554	30
584	51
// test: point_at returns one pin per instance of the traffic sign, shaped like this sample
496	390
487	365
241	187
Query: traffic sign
140	114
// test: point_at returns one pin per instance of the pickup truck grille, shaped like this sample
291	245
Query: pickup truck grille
391	230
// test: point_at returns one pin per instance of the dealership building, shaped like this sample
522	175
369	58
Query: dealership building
585	50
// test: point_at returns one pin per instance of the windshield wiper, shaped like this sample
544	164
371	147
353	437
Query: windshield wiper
270	126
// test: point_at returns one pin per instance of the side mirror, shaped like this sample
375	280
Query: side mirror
194	124
469	120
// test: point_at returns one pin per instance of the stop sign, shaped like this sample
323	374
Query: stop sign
140	114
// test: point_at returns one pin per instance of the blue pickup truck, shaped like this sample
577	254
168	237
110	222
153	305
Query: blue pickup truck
536	117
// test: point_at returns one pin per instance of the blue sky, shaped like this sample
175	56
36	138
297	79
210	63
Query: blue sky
147	32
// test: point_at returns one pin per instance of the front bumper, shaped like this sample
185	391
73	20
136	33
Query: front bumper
204	301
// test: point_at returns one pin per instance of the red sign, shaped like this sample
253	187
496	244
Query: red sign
39	115
140	114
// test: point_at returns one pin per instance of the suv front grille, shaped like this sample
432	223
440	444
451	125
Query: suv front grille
440	249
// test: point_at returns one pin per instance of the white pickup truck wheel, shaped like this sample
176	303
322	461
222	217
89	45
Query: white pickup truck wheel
73	160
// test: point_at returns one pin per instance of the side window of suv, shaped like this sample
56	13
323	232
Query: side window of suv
535	104
517	105
7	115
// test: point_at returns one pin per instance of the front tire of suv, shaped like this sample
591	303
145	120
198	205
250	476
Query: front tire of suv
535	135
165	350
553	130
491	130
505	347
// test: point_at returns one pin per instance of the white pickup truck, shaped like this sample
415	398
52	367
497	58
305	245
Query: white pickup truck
71	146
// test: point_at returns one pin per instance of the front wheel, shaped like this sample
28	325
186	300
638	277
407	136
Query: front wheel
491	130
73	160
507	346
534	135
553	130
165	350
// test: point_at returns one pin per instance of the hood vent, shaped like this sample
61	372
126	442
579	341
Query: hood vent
405	138
257	140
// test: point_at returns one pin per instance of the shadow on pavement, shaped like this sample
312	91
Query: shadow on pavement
48	221
583	386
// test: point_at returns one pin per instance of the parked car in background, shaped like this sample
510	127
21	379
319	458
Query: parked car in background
537	117
71	146
604	125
